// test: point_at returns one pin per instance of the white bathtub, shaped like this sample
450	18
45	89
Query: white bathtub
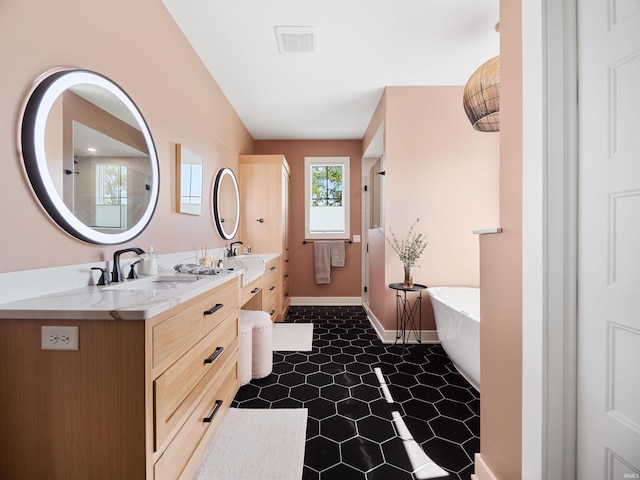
457	313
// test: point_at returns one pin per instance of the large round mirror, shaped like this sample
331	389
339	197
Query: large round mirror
226	203
90	156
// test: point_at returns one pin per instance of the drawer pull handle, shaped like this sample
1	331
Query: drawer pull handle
273	267
273	287
215	355
217	406
272	312
214	309
255	290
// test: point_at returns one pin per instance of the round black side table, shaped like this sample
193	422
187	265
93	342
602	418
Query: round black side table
406	312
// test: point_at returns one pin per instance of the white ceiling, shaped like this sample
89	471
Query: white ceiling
362	47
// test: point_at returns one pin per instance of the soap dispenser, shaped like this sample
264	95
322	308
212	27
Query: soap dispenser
151	262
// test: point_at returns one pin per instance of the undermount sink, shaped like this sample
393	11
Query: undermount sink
158	282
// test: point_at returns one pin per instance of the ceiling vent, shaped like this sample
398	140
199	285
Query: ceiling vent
296	39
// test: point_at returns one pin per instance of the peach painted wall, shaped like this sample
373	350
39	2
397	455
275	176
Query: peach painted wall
138	46
501	274
345	281
442	171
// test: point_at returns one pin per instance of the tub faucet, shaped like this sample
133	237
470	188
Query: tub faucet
116	274
231	252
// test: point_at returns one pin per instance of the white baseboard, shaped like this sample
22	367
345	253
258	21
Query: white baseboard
482	470
389	336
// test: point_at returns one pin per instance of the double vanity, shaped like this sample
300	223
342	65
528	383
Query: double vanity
142	396
128	380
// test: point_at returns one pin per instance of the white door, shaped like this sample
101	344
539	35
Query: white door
608	440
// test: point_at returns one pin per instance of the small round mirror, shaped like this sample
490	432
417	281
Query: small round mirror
226	203
90	157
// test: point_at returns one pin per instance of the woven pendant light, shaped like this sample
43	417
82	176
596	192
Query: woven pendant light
481	98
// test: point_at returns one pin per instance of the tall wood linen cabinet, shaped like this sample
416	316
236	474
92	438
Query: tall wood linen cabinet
264	192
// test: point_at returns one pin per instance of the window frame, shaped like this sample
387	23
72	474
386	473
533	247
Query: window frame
310	162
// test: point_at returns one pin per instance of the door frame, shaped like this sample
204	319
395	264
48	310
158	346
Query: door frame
373	153
367	164
367	205
549	232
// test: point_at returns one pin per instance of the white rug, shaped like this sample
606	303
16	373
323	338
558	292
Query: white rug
257	444
292	337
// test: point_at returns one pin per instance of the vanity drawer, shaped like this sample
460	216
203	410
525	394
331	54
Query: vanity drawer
190	443
179	388
172	336
250	290
271	274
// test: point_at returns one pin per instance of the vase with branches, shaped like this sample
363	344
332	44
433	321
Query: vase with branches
408	250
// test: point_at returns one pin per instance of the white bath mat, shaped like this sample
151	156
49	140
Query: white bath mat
257	444
292	337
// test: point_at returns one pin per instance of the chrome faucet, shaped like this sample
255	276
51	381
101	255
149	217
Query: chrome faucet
231	252
116	274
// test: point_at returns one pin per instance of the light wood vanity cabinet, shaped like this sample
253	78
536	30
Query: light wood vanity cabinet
139	399
264	190
195	377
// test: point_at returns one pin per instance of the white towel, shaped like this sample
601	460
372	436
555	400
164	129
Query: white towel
337	253
322	262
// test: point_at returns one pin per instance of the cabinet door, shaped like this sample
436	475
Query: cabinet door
261	201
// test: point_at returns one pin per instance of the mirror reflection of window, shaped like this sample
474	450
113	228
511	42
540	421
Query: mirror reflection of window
189	173
111	196
107	180
191	184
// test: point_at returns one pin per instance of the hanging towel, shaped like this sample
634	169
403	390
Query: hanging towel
337	253
322	262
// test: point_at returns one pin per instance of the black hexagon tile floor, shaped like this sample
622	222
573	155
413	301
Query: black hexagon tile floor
375	410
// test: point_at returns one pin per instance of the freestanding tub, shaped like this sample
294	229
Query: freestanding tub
457	313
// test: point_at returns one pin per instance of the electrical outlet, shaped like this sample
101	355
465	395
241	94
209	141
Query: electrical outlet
59	338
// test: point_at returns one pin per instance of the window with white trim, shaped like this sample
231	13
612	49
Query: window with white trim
326	197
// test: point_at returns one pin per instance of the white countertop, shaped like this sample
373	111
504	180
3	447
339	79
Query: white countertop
115	301
252	265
